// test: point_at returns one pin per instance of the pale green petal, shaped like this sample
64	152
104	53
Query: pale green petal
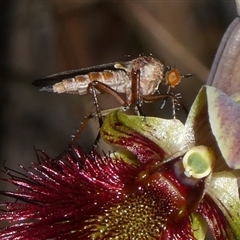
224	117
126	156
236	97
199	127
169	135
224	191
197	123
198	109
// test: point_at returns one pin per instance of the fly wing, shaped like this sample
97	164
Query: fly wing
46	83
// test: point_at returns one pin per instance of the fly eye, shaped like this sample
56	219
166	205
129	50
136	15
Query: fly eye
198	162
173	77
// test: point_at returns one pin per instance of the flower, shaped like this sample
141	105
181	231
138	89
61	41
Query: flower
167	181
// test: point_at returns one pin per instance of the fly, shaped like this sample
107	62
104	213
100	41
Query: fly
139	79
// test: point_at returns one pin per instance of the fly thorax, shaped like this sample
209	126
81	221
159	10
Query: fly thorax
150	78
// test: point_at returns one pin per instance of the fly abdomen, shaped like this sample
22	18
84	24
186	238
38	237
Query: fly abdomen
79	84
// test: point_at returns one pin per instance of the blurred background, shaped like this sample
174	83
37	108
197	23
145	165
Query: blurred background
39	38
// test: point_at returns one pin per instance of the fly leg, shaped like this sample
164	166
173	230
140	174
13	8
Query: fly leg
136	98
104	88
83	125
97	114
169	90
175	101
93	87
174	97
90	116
